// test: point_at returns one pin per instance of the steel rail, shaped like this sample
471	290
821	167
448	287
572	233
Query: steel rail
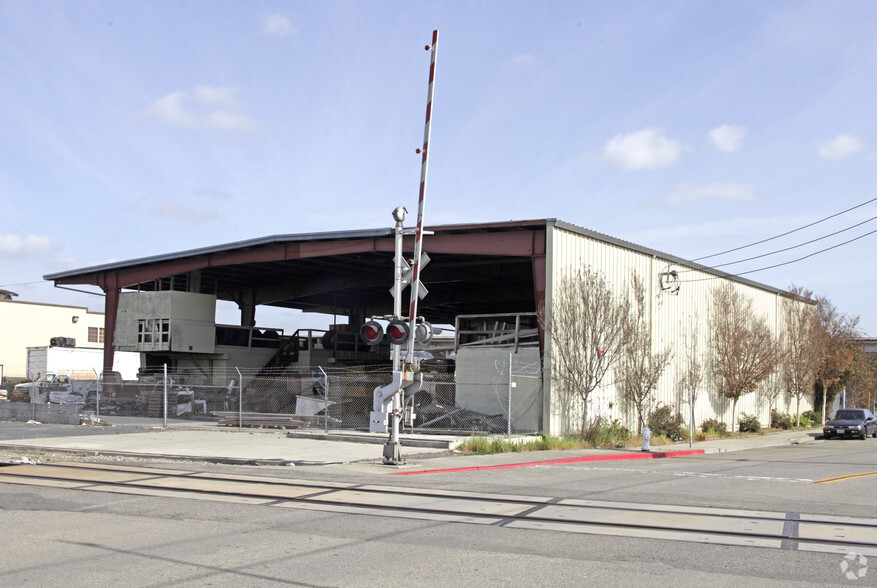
321	490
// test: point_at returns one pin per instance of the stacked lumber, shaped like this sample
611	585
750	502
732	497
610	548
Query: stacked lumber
266	419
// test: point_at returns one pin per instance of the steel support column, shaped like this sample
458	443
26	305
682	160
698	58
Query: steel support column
111	309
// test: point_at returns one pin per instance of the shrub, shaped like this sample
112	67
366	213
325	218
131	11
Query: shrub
548	442
780	420
714	426
605	433
478	444
810	418
749	423
664	421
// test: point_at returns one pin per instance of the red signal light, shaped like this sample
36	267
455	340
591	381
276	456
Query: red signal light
398	332
371	333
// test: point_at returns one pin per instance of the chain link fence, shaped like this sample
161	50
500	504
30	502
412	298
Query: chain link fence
328	398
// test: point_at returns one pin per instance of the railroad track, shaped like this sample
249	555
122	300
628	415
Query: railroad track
788	531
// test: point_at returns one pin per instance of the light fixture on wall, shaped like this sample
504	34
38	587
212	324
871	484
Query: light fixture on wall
75	319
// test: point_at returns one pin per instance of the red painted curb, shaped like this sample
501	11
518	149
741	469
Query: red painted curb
586	458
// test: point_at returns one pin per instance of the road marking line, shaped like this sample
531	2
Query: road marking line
683	474
842	478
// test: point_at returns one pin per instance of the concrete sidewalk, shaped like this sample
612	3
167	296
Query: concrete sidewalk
207	442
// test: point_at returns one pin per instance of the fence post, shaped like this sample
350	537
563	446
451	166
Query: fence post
691	404
326	398
509	422
164	390
240	399
100	384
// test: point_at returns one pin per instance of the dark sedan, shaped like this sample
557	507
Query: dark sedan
851	422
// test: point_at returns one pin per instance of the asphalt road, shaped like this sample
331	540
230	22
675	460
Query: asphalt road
80	538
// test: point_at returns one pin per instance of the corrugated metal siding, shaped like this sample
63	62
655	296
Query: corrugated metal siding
673	318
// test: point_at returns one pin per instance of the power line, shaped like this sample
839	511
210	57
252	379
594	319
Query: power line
794	246
761	269
23	284
787	232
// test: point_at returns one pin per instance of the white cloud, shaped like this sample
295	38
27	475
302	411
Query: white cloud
840	147
206	107
13	246
60	264
523	60
646	149
727	138
215	194
277	24
717	191
728	227
164	208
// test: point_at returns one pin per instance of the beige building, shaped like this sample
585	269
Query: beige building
34	324
679	296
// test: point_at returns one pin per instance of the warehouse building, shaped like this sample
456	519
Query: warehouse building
35	324
487	279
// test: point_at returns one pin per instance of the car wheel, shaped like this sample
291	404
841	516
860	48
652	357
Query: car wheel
826	436
864	435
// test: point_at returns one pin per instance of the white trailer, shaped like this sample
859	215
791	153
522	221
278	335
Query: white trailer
82	363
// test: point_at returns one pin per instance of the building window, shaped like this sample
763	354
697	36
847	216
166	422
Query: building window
153	332
95	334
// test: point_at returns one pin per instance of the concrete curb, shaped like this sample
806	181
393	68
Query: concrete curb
167	456
407	441
564	460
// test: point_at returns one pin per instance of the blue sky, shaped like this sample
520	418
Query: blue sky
131	129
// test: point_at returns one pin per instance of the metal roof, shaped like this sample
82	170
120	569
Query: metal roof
475	268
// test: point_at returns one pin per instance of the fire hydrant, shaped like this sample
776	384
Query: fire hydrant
647	436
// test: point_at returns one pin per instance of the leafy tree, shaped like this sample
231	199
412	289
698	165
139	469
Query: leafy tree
641	367
744	350
586	325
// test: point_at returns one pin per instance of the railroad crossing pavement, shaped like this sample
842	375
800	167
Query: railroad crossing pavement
208	442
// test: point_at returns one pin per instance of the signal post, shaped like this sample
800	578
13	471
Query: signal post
390	400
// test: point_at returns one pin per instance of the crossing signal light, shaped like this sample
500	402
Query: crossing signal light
371	333
423	333
398	332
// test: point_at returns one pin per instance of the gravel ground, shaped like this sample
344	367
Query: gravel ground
19	456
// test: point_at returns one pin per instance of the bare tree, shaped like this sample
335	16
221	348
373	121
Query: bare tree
800	345
641	367
772	388
585	324
835	334
692	377
862	385
744	351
